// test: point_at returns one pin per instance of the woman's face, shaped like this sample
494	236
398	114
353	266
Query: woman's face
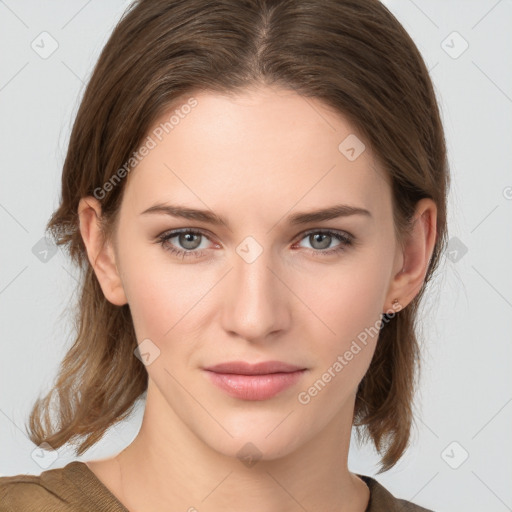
259	286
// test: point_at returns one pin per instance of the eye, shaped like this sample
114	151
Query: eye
189	239
320	240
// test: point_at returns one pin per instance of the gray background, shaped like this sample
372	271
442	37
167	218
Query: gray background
460	456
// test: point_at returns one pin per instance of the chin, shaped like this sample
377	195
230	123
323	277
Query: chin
267	441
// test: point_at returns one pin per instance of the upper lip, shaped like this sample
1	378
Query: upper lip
243	368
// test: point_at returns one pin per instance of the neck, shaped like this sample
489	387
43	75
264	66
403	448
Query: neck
165	470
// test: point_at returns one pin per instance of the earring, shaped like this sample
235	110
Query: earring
394	303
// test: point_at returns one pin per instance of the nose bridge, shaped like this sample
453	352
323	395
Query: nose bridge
255	303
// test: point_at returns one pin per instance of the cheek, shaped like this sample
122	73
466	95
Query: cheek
347	309
351	309
346	300
164	297
155	304
149	289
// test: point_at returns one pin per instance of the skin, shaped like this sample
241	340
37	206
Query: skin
254	159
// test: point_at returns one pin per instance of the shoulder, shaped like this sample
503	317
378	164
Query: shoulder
381	500
68	489
25	492
48	491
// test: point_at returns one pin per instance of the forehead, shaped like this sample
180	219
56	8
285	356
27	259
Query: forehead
265	147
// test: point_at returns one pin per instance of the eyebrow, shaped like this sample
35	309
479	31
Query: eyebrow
332	212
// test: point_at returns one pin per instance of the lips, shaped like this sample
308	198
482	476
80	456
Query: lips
259	381
243	368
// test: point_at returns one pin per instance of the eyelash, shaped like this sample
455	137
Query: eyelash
345	239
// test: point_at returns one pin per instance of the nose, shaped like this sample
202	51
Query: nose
256	305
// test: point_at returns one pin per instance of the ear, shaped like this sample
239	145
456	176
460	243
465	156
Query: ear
100	252
411	261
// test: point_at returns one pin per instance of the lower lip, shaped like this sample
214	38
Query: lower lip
255	387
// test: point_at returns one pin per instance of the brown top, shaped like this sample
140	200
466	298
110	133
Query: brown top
75	488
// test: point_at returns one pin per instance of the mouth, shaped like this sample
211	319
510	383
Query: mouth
243	368
259	381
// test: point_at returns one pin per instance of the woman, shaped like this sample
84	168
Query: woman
256	193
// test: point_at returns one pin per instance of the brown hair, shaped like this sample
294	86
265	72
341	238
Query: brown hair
354	56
